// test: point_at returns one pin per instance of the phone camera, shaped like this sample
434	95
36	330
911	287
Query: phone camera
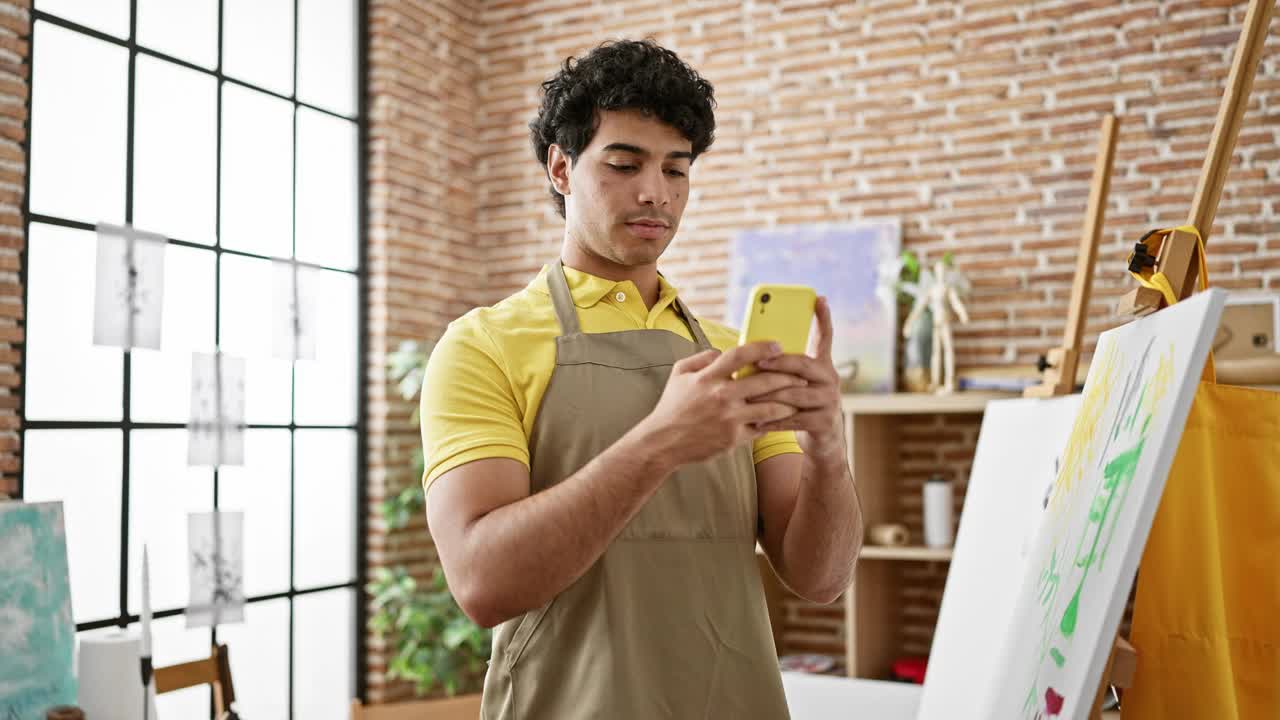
764	298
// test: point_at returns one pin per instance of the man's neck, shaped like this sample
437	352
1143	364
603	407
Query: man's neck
645	277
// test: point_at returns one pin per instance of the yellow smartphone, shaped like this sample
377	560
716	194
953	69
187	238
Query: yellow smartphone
778	313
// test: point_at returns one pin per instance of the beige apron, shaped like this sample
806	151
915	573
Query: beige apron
670	623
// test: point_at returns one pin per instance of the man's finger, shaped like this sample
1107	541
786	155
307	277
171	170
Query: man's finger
803	420
694	363
739	357
765	413
802	398
821	346
813	370
763	383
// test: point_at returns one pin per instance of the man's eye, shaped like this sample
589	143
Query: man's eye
622	168
675	173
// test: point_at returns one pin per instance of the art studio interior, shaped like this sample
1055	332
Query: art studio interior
627	359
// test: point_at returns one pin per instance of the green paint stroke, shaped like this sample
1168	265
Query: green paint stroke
1057	657
1119	472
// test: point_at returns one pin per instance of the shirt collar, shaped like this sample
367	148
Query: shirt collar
587	289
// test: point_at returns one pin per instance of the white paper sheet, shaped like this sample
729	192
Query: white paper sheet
129	290
215	542
216	428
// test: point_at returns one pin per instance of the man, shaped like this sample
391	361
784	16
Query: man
597	480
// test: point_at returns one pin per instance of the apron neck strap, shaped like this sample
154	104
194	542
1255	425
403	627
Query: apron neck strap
695	328
566	311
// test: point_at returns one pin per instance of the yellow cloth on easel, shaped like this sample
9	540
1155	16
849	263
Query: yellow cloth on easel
1206	620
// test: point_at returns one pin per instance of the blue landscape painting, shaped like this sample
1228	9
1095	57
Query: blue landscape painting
37	634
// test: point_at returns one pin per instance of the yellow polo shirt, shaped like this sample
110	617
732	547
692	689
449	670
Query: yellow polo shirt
486	376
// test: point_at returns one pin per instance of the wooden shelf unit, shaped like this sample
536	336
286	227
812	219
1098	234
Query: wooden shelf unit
874	616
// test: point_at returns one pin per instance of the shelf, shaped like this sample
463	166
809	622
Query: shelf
920	403
905	552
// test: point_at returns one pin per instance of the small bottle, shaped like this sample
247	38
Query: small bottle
64	712
938	528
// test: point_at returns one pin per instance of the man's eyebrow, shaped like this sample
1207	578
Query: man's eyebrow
636	150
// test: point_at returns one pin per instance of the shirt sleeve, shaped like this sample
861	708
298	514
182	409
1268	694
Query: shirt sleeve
468	408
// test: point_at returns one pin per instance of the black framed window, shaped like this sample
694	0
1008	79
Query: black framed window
232	128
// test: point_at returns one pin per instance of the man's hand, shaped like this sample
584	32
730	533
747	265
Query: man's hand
817	403
703	411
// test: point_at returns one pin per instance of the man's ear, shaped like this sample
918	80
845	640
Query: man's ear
558	166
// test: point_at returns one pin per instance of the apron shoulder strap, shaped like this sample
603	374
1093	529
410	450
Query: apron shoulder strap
566	311
695	327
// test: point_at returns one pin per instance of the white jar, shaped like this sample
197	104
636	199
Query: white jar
938	528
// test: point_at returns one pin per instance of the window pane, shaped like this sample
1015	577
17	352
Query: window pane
323	664
261	489
327	54
161	383
324	508
175	135
82	469
326	190
185	29
257	43
246	332
109	16
257	172
79	92
259	650
162	490
326	386
68	377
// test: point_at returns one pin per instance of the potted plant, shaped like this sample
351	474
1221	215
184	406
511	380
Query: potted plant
437	647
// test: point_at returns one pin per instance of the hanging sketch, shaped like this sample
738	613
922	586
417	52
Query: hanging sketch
37	634
854	266
215	542
1085	553
129	293
216	430
295	309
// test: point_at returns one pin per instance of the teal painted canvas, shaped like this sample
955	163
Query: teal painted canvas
37	633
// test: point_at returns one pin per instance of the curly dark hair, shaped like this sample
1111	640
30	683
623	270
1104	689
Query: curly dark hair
621	75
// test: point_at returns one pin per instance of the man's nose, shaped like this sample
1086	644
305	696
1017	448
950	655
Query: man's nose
653	189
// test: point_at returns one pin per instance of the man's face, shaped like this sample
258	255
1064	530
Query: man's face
628	188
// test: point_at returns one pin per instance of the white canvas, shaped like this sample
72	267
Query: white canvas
216	546
295	310
129	290
1017	459
854	266
216	429
1084	558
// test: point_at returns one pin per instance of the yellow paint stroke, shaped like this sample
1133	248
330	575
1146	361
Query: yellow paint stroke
1080	450
1160	383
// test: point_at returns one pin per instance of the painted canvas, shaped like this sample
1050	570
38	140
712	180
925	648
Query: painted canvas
37	633
854	266
216	545
1085	555
128	295
1016	462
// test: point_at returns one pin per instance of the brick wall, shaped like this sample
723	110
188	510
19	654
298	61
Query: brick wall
15	69
424	266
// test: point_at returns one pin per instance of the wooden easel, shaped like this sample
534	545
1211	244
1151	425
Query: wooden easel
1177	255
1059	366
